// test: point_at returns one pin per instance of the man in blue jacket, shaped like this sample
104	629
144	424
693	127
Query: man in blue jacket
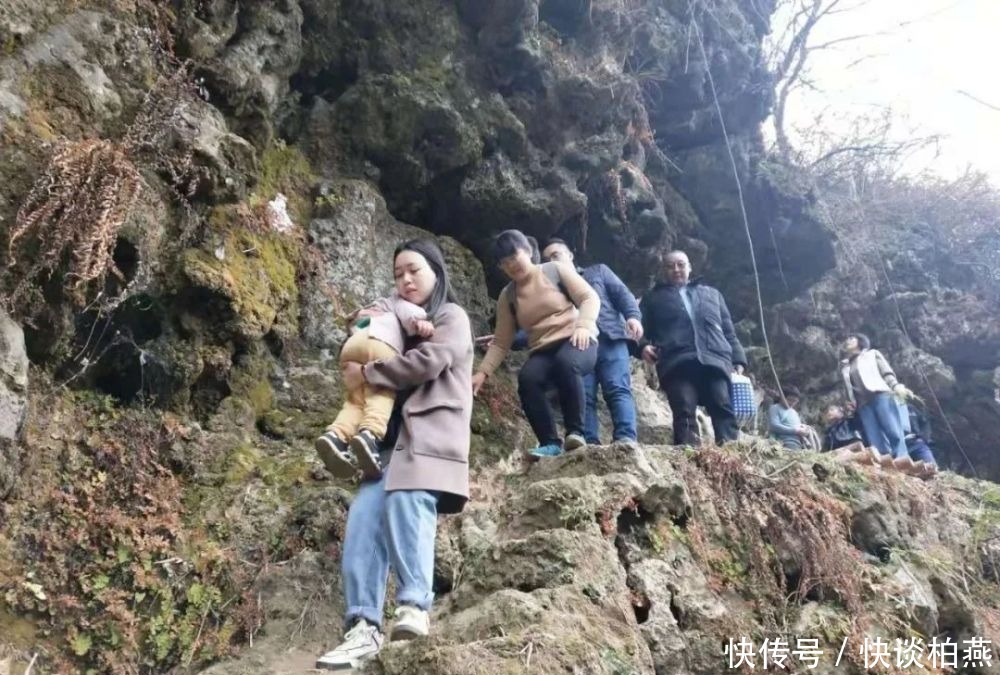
691	339
618	322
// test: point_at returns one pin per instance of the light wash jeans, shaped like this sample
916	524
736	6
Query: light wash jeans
882	424
612	373
388	528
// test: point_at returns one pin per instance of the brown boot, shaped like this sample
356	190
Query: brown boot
865	457
903	464
844	456
930	470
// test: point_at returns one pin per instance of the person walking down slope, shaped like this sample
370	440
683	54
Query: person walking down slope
691	339
871	384
558	309
618	323
392	520
784	423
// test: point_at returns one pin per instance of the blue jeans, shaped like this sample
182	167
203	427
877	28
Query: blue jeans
612	373
384	528
882	425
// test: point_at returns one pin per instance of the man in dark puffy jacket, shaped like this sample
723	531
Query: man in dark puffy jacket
841	430
691	339
619	322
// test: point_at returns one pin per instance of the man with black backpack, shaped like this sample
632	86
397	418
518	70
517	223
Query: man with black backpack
691	339
619	322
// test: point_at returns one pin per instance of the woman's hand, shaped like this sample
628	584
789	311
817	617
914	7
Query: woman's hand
580	338
353	375
424	329
649	354
477	382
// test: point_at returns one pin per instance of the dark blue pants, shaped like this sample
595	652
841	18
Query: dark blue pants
919	450
612	373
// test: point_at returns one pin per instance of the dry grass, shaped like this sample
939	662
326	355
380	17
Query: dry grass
780	526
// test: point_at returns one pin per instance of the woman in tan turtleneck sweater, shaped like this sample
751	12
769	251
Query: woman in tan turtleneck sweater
558	309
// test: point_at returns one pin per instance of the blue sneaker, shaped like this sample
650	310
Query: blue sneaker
550	450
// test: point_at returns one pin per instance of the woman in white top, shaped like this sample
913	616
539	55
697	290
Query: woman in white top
871	385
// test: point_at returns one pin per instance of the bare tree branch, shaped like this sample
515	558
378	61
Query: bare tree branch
978	100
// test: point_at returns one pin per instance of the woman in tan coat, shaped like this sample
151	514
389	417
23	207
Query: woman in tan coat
558	310
393	520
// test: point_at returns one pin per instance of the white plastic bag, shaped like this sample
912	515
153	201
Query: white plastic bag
277	214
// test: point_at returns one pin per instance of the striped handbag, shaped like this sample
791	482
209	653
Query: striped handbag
742	399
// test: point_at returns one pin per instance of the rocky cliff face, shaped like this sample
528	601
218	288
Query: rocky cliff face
163	507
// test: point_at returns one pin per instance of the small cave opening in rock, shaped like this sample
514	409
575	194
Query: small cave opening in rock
641	605
326	83
633	520
275	343
678	614
443	581
126	260
207	393
109	354
814	592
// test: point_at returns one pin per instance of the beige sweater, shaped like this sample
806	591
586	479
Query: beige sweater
544	311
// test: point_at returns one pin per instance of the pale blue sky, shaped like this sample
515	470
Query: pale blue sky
918	69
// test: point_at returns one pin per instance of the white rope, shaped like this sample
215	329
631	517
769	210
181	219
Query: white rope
753	257
743	208
920	368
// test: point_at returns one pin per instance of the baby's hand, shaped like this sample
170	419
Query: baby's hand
424	329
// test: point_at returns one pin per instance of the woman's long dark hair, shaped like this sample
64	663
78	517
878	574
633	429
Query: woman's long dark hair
442	292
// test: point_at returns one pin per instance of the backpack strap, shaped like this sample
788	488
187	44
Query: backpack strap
551	271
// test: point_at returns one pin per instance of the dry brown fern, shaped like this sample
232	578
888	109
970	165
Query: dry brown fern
75	211
71	218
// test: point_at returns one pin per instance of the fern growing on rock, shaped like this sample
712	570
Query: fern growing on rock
73	214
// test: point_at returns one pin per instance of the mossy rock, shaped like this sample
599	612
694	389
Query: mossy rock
284	169
246	282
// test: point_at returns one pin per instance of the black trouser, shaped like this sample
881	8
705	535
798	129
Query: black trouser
564	366
691	384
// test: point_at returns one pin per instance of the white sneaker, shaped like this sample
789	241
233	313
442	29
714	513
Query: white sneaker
411	622
360	643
